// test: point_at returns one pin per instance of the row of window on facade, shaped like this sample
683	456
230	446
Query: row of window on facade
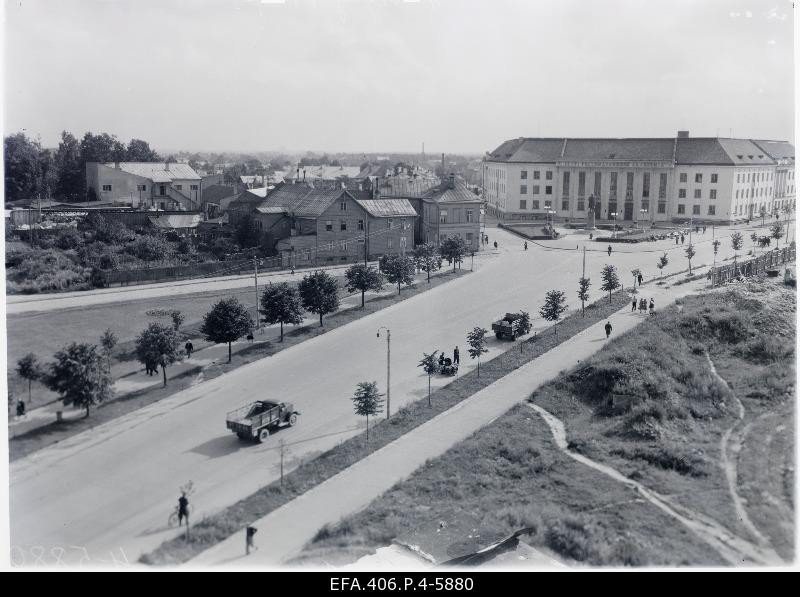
598	183
712	210
360	225
344	245
143	187
749	193
469	214
755	176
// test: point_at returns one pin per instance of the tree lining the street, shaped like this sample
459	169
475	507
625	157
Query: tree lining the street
363	278
476	340
610	280
79	375
319	293
367	401
398	269
555	303
159	344
428	258
281	303
227	321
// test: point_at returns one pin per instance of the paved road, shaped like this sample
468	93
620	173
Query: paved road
113	487
289	528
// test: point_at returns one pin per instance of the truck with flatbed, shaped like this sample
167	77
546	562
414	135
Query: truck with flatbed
256	420
509	327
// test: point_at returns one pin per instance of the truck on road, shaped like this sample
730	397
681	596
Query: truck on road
511	326
254	421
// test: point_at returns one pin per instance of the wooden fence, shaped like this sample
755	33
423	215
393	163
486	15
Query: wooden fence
722	274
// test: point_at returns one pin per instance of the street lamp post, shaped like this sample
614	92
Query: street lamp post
642	212
613	214
551	213
388	365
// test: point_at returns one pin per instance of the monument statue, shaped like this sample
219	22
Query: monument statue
590	223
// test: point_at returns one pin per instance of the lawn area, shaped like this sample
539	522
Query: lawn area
194	307
651	406
218	527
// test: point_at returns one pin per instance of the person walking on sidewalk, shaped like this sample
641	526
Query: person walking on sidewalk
609	250
250	533
456	355
643	305
633	304
189	348
495	244
526	245
640	279
608	329
183	509
652	307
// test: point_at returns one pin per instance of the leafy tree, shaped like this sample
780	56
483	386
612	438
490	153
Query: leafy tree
430	366
68	238
453	249
280	303
367	400
139	151
555	303
150	248
246	233
610	280
776	232
476	340
108	341
29	369
22	167
79	376
319	293
362	278
70	178
227	321
662	263
398	269
177	319
690	252
525	325
159	344
583	293
762	213
737	241
427	258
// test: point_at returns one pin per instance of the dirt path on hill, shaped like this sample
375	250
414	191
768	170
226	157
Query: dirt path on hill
730	546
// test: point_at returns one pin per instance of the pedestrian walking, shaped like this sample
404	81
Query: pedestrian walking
652	307
676	240
608	329
609	250
683	238
590	236
20	408
640	279
643	304
633	304
183	509
495	244
250	337
250	533
456	356
704	229
526	245
189	348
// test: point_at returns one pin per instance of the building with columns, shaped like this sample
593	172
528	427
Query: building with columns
639	180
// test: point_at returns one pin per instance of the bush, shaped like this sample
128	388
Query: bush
150	248
765	349
572	538
69	238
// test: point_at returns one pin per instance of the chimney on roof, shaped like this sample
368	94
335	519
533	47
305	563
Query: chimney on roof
683	134
452	180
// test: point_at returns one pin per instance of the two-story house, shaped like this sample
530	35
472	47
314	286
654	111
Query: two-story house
145	185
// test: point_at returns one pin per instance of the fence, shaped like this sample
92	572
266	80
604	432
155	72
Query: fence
168	274
771	259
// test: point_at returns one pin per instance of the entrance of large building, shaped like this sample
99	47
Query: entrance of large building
628	211
597	209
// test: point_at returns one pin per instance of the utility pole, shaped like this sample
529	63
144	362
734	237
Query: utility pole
366	219
255	277
584	262
282	445
388	366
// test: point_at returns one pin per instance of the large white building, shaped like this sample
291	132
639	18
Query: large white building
639	180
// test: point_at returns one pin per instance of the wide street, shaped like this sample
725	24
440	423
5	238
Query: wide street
110	490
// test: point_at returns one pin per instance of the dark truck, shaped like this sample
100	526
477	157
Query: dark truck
509	327
255	420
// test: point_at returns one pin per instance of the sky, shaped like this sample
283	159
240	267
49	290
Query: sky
459	76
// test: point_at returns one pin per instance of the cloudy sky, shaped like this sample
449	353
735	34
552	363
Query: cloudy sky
388	75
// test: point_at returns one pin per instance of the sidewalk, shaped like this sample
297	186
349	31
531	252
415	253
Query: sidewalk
284	532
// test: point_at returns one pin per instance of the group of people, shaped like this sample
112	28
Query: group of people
456	356
643	306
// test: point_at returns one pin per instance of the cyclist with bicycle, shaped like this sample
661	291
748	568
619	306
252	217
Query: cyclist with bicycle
183	509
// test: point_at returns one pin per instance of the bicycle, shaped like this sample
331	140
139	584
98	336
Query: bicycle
174	517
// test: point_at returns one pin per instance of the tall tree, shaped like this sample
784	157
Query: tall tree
159	344
227	321
362	278
737	241
71	178
139	151
583	293
21	157
319	293
79	375
108	341
690	252
662	263
453	249
280	303
367	400
476	340
430	366
776	232
177	319
427	258
610	280
555	303
29	369
525	325
398	269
